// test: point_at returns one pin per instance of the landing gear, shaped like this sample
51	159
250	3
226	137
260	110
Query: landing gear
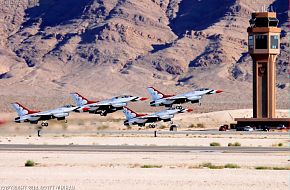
44	124
152	126
179	107
103	113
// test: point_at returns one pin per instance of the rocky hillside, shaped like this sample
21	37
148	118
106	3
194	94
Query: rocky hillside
101	48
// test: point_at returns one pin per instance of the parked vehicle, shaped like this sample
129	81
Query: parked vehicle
248	128
281	127
245	128
224	127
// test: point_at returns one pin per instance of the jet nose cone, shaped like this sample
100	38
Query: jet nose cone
189	110
86	109
143	99
219	91
2	122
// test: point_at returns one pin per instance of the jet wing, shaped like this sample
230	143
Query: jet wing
45	113
49	115
99	107
41	114
107	105
147	119
95	106
175	97
151	116
103	104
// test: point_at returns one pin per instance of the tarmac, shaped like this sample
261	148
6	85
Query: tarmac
127	148
166	132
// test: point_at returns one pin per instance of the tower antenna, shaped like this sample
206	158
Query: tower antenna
262	8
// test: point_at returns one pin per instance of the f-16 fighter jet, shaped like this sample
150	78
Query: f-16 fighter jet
105	106
160	99
26	115
133	118
33	117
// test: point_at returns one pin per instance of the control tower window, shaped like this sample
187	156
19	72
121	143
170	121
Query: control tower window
273	22
251	42
261	42
274	42
261	22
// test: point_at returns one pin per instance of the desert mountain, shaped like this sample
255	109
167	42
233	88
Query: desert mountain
103	48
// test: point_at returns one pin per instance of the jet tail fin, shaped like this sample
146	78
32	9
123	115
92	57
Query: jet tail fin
21	110
130	114
156	94
80	100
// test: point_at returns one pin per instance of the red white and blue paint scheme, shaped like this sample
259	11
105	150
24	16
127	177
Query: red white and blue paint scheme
33	117
195	96
133	118
105	106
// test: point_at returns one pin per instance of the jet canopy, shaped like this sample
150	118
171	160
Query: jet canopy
171	108
67	106
123	96
202	89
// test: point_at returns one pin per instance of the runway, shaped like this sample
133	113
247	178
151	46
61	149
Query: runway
126	148
166	132
195	132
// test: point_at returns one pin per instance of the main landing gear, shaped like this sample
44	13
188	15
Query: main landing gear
179	107
152	126
44	124
103	113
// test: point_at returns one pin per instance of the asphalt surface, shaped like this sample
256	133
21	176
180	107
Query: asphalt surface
163	132
126	148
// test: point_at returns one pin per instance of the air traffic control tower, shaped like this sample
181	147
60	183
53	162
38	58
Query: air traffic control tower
264	46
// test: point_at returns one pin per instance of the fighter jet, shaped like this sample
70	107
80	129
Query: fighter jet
160	99
105	106
33	117
133	118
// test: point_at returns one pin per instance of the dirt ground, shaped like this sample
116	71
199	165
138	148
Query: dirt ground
87	171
